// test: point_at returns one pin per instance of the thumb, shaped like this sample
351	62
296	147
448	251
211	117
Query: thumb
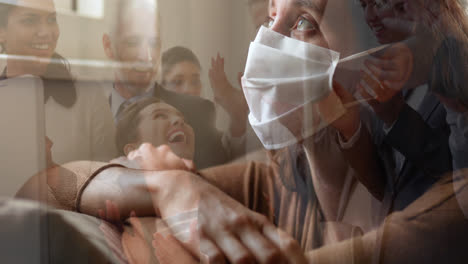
189	164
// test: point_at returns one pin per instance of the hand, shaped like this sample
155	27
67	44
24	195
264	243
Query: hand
111	234
388	73
111	214
348	123
230	98
124	161
389	110
136	247
227	229
222	88
168	250
159	158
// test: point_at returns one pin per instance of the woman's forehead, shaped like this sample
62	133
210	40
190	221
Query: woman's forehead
160	106
317	5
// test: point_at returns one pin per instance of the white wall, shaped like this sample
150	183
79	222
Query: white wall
205	26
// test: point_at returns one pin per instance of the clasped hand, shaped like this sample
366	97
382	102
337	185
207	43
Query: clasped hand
227	230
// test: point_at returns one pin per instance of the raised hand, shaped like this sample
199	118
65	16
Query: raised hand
230	98
387	73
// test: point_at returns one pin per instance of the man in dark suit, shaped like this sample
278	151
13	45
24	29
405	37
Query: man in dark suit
404	148
413	150
136	45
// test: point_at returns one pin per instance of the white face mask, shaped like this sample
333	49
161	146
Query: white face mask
283	81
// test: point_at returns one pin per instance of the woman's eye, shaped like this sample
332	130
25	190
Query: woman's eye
382	4
29	21
160	116
304	25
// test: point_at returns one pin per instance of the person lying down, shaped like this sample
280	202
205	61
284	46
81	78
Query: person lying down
151	125
152	121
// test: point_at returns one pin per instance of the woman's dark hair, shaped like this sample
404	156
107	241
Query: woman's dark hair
58	81
129	120
177	55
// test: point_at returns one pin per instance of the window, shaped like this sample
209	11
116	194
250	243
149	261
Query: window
90	8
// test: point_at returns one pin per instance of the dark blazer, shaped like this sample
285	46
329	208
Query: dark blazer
201	115
420	136
423	138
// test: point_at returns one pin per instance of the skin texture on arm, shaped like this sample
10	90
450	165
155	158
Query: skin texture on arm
224	224
362	155
125	187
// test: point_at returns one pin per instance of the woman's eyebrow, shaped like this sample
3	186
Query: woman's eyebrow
167	111
319	8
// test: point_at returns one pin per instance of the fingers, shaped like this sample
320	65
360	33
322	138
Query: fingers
134	154
371	99
233	249
190	165
262	249
395	65
370	81
384	70
210	253
149	157
168	250
244	241
286	243
377	90
111	214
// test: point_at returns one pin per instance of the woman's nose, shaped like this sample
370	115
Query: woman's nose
279	26
177	120
43	31
371	13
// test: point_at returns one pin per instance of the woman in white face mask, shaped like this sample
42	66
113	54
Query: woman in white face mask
282	190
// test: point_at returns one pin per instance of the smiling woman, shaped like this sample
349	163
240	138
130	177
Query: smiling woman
150	120
28	34
76	120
